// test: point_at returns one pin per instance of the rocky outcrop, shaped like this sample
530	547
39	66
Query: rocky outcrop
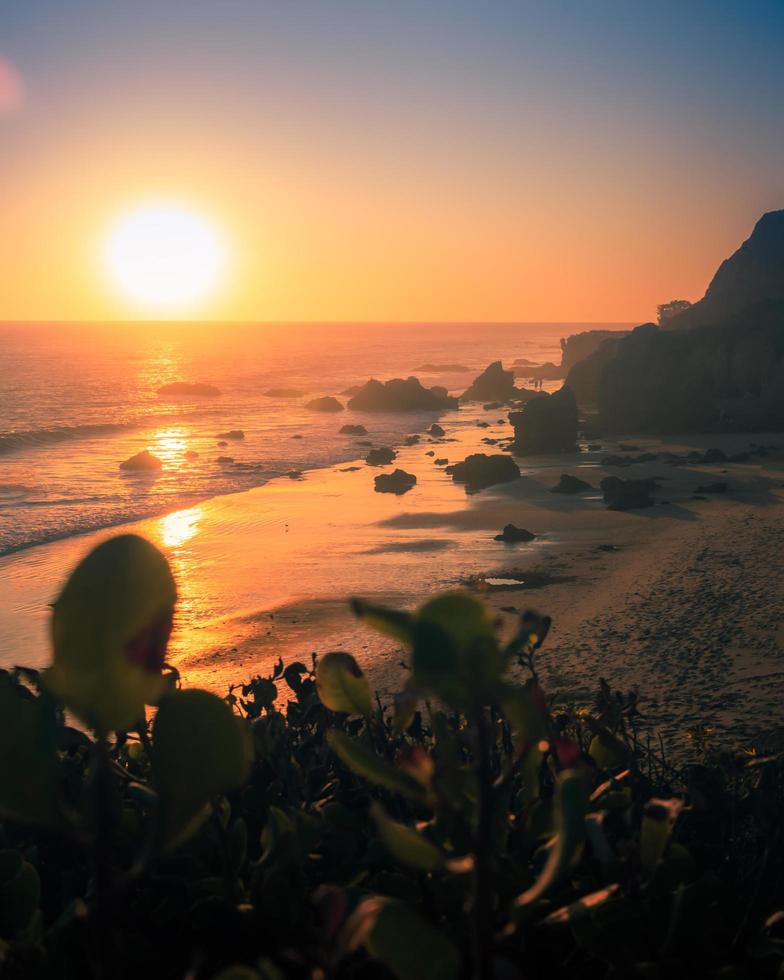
512	534
546	425
585	375
400	395
493	384
570	484
435	430
581	345
397	482
180	389
541	372
326	404
479	471
142	462
753	274
235	434
352	430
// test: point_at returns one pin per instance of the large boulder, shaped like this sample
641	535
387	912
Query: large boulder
397	482
512	534
570	484
326	404
352	430
479	471
400	395
493	384
382	456
627	494
546	425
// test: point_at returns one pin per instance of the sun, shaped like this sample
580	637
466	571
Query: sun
165	257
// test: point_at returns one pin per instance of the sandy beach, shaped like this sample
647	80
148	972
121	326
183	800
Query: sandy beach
677	600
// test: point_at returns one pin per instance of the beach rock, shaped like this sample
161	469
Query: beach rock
441	462
719	487
579	346
381	456
326	404
570	484
493	384
492	406
411	440
512	534
225	459
143	461
178	389
231	434
296	436
400	395
627	494
522	396
352	430
546	425
397	482
351	390
294	474
284	393
430	452
222	443
479	471
435	431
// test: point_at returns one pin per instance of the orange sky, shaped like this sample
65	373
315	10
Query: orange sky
476	185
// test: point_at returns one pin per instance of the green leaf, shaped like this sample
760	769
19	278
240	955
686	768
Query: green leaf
28	758
608	752
392	622
569	807
110	629
342	686
200	749
395	935
658	821
19	898
364	762
524	709
406	845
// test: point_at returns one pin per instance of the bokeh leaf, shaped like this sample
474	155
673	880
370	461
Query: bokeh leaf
405	844
392	622
342	686
200	749
364	762
110	629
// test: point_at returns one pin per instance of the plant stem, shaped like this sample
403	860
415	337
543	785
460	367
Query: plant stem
482	908
101	910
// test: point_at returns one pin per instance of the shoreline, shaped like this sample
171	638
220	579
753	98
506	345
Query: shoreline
266	573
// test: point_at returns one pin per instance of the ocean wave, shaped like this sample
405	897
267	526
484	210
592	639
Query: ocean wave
11	442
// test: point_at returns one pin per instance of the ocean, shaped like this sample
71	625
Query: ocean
78	399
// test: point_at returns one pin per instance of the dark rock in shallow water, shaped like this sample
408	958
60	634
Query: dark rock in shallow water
441	462
541	372
225	459
479	471
179	389
294	474
351	390
570	484
411	440
398	395
143	461
222	443
398	482
326	404
512	534
353	430
231	434
492	406
712	488
493	384
546	425
627	494
191	454
380	457
284	393
435	430
430	453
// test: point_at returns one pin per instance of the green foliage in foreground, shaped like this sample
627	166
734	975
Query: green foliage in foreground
474	828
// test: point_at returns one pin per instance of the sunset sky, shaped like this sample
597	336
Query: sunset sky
367	160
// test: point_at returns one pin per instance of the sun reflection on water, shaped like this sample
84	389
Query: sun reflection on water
177	528
169	445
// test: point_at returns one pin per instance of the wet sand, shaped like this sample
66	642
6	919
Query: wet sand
686	605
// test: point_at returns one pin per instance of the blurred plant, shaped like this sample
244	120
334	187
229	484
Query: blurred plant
473	827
